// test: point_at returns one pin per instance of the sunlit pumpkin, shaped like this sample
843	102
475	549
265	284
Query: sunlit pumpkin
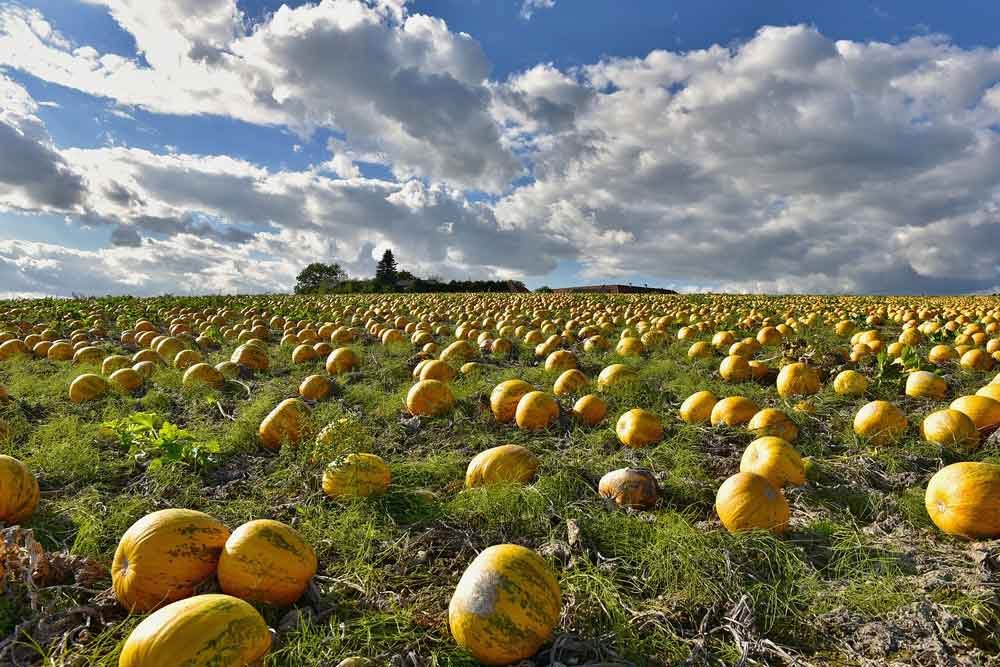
506	605
881	422
203	374
286	423
560	360
211	629
735	368
429	398
87	387
977	360
850	383
697	408
356	476
163	556
950	428
251	356
590	410
505	397
315	388
774	422
266	561
733	411
982	410
126	380
630	487
506	463
924	384
435	369
797	379
342	360
536	411
775	460
964	499
18	491
747	501
639	428
570	382
615	375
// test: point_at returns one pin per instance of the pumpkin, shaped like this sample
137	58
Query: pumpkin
638	428
429	398
145	369
88	355
115	362
590	409
775	460
733	411
881	422
536	411
964	499
560	360
60	351
147	355
342	360
285	423
164	555
127	380
697	408
773	422
629	347
984	411
435	369
87	387
976	359
797	379
630	487
505	397
614	375
700	350
950	428
747	501
571	381
266	561
990	391
941	354
459	351
356	475
251	356
186	359
304	353
850	383
924	384
229	369
315	388
506	605
18	491
203	373
735	368
13	348
506	463
209	629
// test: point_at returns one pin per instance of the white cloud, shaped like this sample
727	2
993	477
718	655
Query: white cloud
529	7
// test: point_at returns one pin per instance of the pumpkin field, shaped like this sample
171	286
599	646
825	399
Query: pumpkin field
534	479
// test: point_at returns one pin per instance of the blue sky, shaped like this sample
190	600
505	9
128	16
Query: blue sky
587	141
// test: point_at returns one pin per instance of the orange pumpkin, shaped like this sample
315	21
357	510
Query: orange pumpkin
266	561
505	397
18	491
356	476
429	398
638	428
964	499
286	423
747	501
630	487
775	460
503	464
536	411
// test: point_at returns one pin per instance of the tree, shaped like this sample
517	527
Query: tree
318	277
385	270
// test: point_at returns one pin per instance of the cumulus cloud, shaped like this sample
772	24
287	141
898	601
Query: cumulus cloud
392	81
529	7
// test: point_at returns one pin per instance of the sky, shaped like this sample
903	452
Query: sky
219	146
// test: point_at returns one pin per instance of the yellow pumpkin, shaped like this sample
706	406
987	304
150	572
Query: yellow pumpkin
614	375
284	424
356	476
571	381
435	369
850	383
506	463
505	397
630	487
203	374
771	421
733	411
630	347
506	605
266	561
342	360
924	384
18	491
950	428
186	359
697	408
775	460
983	411
735	368
590	409
638	428
315	388
209	629
12	348
964	499
126	380
163	556
536	411
251	356
977	360
747	501
560	360
304	353
114	363
429	398
797	379
87	387
941	354
700	350
881	422
990	391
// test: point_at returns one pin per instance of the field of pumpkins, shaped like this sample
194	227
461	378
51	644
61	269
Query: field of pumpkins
544	479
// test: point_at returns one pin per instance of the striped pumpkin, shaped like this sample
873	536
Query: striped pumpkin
199	631
163	556
266	561
506	605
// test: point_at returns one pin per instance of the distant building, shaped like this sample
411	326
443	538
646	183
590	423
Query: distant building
614	289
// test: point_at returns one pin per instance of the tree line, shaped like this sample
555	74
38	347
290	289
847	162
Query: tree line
320	278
